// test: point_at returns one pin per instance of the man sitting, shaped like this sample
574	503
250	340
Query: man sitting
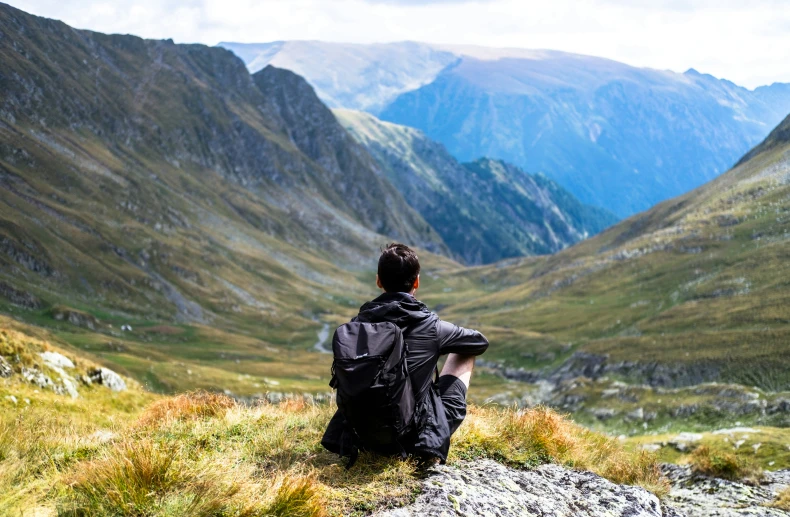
390	352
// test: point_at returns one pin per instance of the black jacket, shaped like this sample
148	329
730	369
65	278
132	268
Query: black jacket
427	338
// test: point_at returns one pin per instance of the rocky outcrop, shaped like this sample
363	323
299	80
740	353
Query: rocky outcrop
75	317
594	366
698	496
18	297
5	368
488	488
108	378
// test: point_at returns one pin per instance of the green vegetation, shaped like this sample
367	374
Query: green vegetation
742	448
695	285
725	465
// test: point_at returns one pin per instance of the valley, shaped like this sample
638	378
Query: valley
193	227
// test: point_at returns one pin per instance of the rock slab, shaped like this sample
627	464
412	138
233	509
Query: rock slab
487	488
699	496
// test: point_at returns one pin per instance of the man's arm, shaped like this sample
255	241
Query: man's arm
458	340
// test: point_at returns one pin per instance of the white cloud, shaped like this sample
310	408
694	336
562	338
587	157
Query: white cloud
745	42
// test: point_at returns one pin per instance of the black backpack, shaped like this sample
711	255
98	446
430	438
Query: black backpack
374	390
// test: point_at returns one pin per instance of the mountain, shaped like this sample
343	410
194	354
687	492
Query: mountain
694	290
162	186
363	77
615	136
486	210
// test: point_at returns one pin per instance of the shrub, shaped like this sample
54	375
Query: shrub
708	461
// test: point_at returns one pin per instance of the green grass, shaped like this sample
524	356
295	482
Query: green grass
756	448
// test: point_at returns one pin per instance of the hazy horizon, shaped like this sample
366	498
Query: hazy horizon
741	43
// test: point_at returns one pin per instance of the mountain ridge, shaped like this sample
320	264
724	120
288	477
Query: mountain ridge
616	136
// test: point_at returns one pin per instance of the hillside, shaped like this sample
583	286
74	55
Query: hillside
615	136
691	291
220	215
105	452
484	211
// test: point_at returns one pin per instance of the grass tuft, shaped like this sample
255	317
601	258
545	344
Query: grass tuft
782	500
128	480
296	497
709	461
530	437
192	405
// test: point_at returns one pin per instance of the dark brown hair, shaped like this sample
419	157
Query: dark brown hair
398	268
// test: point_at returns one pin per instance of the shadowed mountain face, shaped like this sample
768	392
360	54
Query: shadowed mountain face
616	136
165	181
486	210
693	290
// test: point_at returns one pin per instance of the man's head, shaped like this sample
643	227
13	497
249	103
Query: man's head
399	269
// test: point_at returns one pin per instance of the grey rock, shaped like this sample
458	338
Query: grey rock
56	359
5	369
108	378
638	414
603	413
37	378
67	385
487	488
699	496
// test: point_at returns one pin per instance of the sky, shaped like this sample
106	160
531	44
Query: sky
747	42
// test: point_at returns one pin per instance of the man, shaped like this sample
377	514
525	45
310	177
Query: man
440	405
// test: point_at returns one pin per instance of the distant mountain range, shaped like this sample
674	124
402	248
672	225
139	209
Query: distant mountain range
486	210
614	135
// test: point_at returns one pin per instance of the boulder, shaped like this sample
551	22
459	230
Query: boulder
56	359
485	487
107	377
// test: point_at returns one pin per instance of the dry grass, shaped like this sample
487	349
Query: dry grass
203	454
782	500
192	405
20	348
529	437
709	461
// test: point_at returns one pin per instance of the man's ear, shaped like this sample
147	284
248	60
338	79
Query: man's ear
416	284
378	282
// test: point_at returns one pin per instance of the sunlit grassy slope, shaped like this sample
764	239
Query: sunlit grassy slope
698	283
135	453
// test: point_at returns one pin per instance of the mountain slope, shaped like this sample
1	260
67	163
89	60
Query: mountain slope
616	136
485	210
148	183
693	290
